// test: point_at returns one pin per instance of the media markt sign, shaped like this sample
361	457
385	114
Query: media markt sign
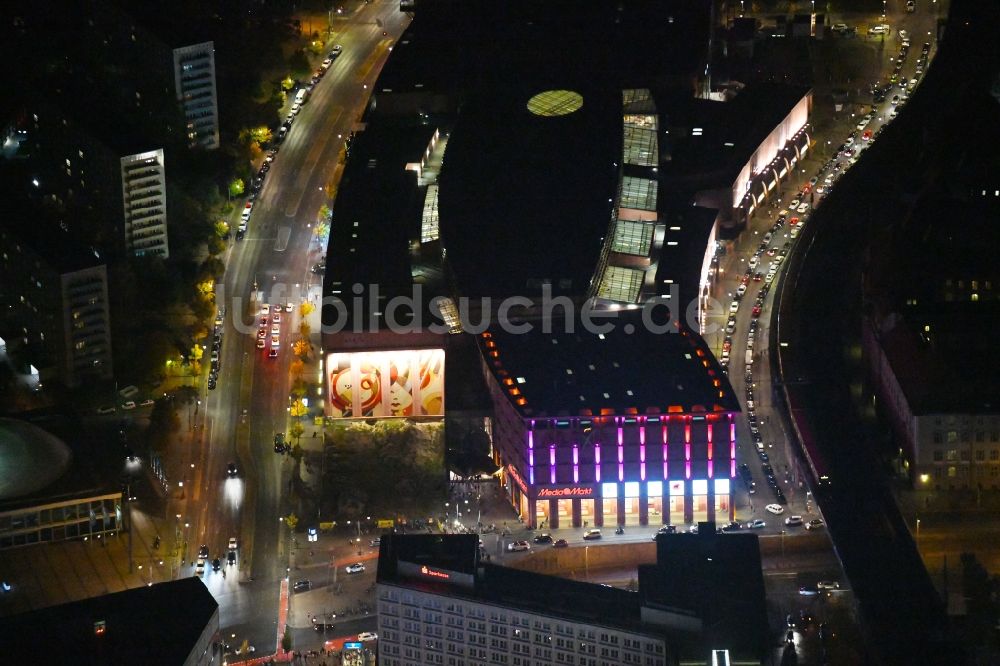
561	492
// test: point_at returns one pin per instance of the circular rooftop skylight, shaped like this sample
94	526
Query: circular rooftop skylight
555	103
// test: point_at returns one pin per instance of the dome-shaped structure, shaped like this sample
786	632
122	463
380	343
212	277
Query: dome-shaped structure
30	458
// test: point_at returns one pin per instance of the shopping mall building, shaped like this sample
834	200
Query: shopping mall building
525	242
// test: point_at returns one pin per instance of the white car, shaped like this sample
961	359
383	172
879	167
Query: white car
128	405
326	63
232	543
106	410
276	318
357	567
803	207
275	329
265	309
794	232
795	204
776	509
756	524
753	262
879	30
367	636
518	546
734	307
275	342
199	569
740	290
793	521
288	307
828	585
261	344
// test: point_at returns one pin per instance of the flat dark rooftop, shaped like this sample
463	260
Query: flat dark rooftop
524	197
641	371
375	216
159	624
555	43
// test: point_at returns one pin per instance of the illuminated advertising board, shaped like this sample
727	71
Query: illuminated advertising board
385	384
566	492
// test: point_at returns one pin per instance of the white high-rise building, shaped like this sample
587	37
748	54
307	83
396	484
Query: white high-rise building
194	81
144	194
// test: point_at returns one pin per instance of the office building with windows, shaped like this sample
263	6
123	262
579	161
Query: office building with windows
144	194
194	81
54	309
439	604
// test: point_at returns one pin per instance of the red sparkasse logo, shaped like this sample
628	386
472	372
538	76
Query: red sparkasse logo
434	574
565	492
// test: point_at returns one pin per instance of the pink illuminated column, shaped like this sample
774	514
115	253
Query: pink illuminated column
576	464
711	463
531	457
666	471
552	463
597	462
642	453
621	455
687	448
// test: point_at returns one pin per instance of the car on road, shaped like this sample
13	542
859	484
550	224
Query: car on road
756	524
357	567
776	509
312	534
814	524
261	333
740	290
275	341
216	564
261	343
367	636
543	538
881	29
148	402
326	63
803	207
199	568
376	542
808	590
828	585
302	585
130	404
758	276
232	543
265	309
734	307
273	353
793	521
755	312
276	317
560	543
275	329
279	442
231	470
203	551
106	410
231	558
518	546
732	527
336	50
592	534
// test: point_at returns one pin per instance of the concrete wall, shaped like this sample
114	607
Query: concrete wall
611	555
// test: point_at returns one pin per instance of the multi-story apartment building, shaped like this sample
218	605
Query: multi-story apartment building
194	81
144	195
439	604
54	305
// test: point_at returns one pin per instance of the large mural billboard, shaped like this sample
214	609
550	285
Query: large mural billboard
385	384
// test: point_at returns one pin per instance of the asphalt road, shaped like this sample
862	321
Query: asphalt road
239	418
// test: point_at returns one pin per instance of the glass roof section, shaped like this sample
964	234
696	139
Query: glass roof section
638	193
621	284
429	230
633	237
